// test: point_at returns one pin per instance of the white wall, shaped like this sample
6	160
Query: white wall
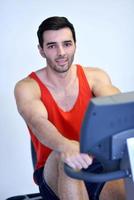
105	31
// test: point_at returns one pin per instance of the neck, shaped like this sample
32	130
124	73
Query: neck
60	80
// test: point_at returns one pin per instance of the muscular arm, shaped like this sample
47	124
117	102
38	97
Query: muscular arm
31	108
100	82
33	111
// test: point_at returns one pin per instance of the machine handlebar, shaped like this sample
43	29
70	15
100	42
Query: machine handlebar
94	177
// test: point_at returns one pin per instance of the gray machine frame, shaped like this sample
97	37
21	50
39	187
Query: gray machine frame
108	134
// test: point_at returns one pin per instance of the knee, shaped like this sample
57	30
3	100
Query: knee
111	191
54	158
57	157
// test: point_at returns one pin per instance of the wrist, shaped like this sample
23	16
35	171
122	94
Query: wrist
65	145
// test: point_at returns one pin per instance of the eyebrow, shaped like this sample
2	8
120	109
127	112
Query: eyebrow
68	41
51	43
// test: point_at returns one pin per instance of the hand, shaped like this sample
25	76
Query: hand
74	158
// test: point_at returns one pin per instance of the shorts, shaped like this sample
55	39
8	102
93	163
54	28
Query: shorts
93	189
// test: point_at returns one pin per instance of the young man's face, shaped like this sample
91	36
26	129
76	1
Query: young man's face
58	49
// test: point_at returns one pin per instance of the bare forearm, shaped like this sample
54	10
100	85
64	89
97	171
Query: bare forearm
47	134
68	150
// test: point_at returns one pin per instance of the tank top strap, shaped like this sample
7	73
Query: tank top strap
82	77
42	86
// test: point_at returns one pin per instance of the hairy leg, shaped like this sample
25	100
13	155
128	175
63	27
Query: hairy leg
113	190
51	172
70	189
64	187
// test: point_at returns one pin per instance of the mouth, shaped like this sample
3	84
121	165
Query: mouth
61	61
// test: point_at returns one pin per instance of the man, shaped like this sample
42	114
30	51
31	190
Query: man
52	102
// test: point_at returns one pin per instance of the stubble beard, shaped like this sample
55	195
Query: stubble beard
61	69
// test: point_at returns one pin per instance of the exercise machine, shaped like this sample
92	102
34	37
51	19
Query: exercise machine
108	134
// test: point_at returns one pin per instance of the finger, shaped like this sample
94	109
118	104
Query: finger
78	161
88	159
78	164
83	161
73	161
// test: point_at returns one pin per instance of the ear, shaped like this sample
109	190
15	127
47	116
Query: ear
41	51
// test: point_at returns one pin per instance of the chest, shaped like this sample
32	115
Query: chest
67	97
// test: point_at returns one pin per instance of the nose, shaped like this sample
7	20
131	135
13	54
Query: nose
60	51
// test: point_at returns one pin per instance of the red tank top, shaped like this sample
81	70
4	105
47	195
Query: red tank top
68	123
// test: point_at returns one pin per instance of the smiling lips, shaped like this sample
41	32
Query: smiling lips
61	61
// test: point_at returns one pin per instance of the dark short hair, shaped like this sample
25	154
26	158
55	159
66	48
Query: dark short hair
54	23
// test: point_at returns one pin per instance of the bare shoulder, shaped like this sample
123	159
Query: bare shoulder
96	74
93	69
28	99
100	82
26	88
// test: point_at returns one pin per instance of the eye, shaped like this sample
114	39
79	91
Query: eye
52	46
68	44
